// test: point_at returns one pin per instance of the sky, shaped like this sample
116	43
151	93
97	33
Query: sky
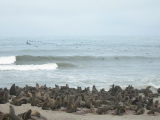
79	17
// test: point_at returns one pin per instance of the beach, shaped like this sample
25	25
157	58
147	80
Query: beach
23	102
59	115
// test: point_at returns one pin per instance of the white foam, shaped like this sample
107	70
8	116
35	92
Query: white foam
7	60
50	66
153	85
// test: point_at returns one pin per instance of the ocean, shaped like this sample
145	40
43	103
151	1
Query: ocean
80	61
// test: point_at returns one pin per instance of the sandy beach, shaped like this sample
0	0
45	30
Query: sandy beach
61	115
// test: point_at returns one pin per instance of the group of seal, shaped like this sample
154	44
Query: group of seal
28	115
116	100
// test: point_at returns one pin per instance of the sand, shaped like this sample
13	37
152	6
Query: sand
62	115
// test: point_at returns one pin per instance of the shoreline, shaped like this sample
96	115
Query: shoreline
82	113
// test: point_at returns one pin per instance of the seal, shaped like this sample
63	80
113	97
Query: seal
37	86
94	90
101	110
12	114
27	115
12	90
56	104
46	96
89	103
140	111
152	111
71	106
78	101
149	104
35	113
45	105
156	104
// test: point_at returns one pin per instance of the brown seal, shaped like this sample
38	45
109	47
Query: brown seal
152	111
35	113
37	86
71	106
140	109
46	96
156	103
120	110
89	103
27	115
45	105
56	104
101	110
78	101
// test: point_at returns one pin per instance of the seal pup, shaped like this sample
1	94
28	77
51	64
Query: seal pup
12	114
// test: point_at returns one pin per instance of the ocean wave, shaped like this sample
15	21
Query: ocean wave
80	58
67	60
50	66
7	60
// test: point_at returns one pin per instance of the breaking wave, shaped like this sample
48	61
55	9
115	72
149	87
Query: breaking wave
50	66
7	60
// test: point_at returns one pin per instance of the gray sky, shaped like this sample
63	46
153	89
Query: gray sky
79	17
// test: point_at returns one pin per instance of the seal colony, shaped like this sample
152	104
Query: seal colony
115	101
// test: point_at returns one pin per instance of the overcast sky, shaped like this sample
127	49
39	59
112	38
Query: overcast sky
79	17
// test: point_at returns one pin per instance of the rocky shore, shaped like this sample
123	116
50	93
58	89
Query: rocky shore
62	102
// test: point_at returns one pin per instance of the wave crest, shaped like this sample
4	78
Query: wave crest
50	66
7	60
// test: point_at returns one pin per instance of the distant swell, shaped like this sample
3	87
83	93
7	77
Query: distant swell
51	66
27	58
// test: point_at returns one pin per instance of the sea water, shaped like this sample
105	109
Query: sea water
80	61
